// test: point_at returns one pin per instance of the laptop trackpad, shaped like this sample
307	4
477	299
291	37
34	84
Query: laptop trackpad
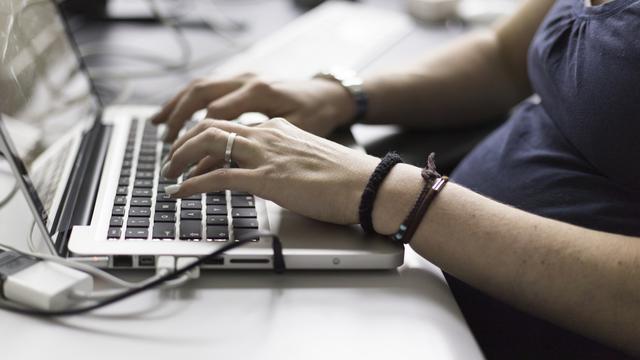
303	236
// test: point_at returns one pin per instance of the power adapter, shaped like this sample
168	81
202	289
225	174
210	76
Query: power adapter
40	284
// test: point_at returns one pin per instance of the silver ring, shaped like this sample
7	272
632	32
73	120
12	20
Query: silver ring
227	153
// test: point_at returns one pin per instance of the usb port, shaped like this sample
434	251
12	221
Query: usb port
146	260
214	261
122	261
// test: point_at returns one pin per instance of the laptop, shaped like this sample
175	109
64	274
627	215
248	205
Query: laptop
90	174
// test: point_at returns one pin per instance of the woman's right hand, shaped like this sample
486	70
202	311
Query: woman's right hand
317	105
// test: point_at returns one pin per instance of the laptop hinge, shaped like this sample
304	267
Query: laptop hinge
84	182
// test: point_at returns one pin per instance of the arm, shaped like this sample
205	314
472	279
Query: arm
486	71
582	279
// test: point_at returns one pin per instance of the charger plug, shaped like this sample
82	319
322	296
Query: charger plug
40	284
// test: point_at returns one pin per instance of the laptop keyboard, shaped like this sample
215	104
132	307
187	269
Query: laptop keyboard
143	211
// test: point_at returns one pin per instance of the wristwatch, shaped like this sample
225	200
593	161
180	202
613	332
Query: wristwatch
351	82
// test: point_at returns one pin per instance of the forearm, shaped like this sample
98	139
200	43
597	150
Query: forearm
457	85
581	279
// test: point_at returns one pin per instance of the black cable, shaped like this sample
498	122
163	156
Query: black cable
278	265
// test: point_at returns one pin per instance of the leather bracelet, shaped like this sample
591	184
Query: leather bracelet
434	183
371	190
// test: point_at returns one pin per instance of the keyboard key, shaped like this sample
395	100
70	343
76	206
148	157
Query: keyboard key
217	193
239	193
191	214
143	183
242	202
216	220
118	210
244	213
139	211
191	204
190	229
146	167
194	197
217	232
136	233
142	192
243	233
122	190
116	221
140	201
140	175
164	181
147	151
138	222
245	223
114	233
164	230
166	207
120	200
163	197
216	200
125	172
124	181
126	164
146	159
216	210
164	217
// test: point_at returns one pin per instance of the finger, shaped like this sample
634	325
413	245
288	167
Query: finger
211	142
166	110
235	179
196	98
205	165
205	124
255	96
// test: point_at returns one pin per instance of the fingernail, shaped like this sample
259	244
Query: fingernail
171	189
165	169
164	159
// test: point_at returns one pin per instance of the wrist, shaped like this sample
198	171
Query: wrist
353	86
396	198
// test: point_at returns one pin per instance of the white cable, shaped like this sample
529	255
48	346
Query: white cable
9	195
103	294
166	67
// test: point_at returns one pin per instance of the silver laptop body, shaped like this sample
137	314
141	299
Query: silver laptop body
91	174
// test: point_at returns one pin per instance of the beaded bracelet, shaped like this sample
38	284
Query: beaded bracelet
371	190
434	183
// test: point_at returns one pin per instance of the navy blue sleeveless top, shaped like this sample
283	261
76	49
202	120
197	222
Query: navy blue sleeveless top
575	155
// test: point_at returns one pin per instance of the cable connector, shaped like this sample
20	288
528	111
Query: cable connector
38	283
183	262
165	265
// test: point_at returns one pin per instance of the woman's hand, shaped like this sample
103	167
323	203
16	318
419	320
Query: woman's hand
277	161
317	105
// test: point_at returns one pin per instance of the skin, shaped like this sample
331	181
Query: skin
582	279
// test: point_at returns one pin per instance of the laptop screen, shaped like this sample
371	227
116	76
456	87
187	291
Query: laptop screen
45	91
45	94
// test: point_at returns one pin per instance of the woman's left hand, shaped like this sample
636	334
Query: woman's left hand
277	161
